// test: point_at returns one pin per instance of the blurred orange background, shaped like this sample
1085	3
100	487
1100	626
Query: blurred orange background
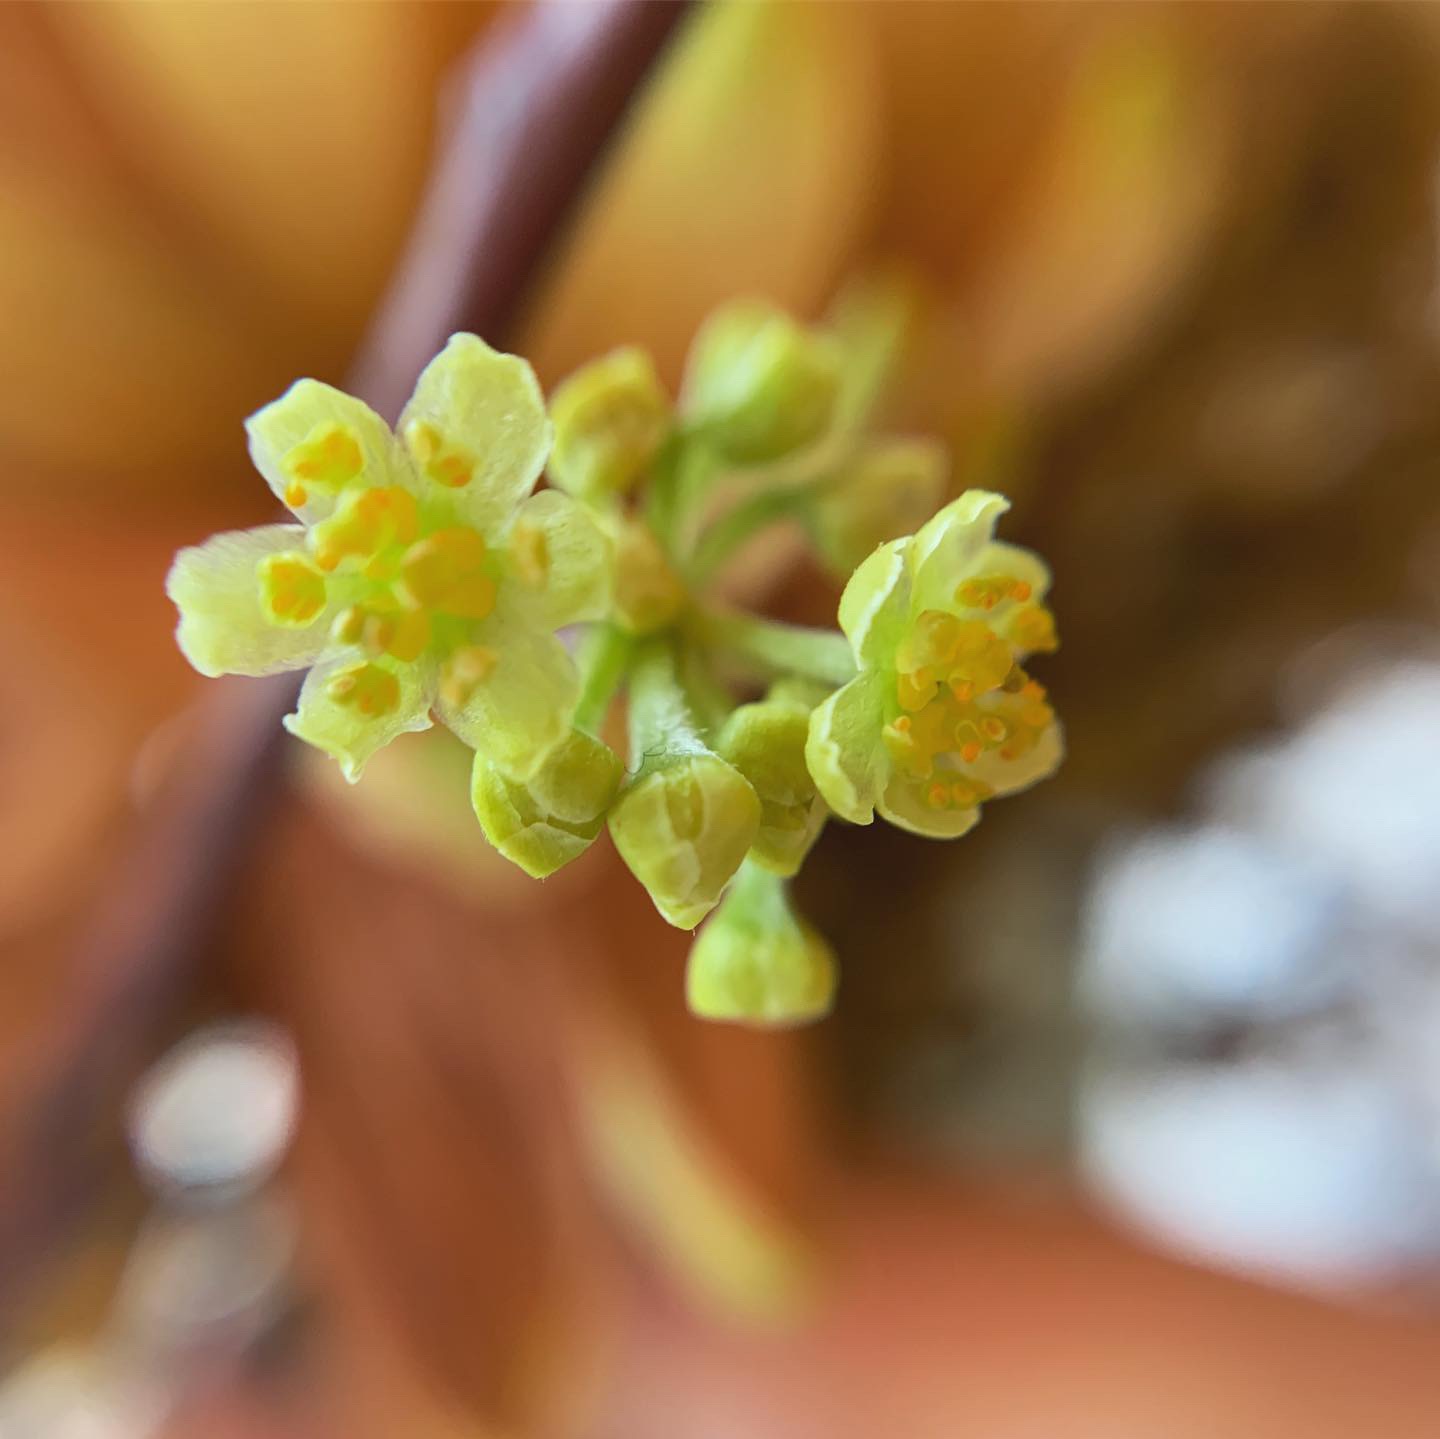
1128	1119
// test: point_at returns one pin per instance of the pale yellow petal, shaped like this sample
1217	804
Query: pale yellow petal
476	426
845	752
904	804
288	438
223	629
560	553
345	713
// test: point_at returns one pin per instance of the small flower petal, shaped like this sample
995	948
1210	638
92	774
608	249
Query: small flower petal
223	627
1016	563
844	752
1009	776
476	426
904	804
316	441
563	556
350	707
516	707
876	604
946	548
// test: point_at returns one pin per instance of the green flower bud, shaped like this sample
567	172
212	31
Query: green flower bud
683	827
756	961
887	490
610	418
553	817
766	743
758	385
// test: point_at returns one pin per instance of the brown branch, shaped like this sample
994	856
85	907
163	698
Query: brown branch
534	109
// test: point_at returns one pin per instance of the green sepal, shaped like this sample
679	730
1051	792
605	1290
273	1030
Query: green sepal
544	822
756	961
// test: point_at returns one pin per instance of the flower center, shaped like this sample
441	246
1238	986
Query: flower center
407	589
962	698
402	581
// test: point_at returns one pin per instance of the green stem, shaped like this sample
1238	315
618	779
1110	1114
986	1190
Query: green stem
682	474
603	658
822	655
710	701
661	720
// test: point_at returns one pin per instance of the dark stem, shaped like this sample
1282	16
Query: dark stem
532	114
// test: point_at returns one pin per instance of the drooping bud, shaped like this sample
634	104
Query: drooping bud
683	827
610	418
887	490
553	817
758	385
766	743
756	962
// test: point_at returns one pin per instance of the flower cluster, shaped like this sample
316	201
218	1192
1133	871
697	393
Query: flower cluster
424	577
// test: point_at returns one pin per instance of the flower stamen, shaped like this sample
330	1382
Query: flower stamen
464	672
328	458
292	588
367	688
530	551
368	522
445	464
444	572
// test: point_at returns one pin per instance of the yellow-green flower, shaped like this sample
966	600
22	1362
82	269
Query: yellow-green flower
941	716
423	573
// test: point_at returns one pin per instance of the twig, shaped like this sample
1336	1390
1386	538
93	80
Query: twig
536	106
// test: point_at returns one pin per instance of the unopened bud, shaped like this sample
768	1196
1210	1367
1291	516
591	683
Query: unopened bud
756	961
553	817
758	385
766	743
610	418
683	828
